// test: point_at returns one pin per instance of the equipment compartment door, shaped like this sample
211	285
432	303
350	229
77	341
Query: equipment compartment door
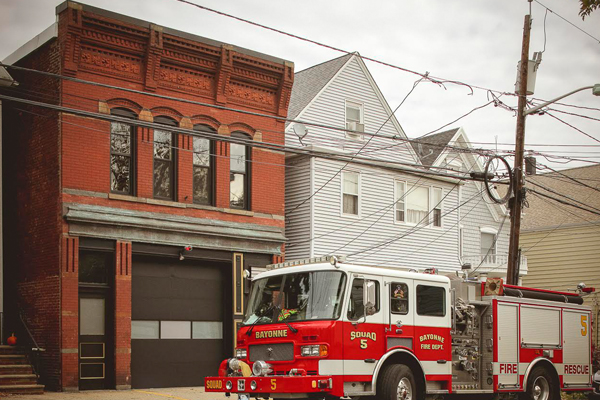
576	350
506	367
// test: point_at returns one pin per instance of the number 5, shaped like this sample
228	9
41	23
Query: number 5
273	384
584	325
363	343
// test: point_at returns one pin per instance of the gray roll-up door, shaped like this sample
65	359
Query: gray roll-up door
177	321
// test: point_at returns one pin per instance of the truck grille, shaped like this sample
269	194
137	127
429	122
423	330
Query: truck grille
272	352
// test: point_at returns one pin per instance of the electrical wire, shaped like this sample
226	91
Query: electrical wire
569	22
395	138
416	228
574	127
288	215
562	201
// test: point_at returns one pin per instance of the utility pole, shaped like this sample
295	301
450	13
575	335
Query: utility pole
517	200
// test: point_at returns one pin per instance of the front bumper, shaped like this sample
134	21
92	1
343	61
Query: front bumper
270	384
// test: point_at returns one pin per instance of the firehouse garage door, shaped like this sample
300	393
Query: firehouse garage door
177	321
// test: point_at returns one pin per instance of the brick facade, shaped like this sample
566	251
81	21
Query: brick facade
57	160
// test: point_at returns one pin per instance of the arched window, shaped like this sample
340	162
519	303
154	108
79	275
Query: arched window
122	153
239	177
164	159
203	164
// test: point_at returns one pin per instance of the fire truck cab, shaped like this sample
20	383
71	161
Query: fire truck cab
335	330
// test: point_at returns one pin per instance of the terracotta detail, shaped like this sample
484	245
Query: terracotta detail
250	94
146	115
186	123
175	78
105	62
103	107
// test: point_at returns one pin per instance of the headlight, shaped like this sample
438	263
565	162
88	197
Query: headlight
241	353
261	368
316	350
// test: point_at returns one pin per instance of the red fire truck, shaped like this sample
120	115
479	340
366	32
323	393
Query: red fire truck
330	330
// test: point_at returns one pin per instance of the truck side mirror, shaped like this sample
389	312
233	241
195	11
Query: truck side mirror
369	297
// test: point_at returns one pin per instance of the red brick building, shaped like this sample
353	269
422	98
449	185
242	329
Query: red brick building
126	245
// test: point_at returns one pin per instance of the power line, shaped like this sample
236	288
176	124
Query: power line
383	214
411	169
574	127
394	138
359	150
568	22
413	230
562	201
569	178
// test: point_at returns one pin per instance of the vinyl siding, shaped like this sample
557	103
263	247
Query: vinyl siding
559	259
410	247
329	108
476	215
297	189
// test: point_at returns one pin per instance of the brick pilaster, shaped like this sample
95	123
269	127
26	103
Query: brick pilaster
123	315
69	300
185	172
145	162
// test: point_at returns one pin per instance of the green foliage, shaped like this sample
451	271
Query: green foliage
587	6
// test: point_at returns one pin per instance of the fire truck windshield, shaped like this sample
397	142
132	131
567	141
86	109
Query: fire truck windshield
296	297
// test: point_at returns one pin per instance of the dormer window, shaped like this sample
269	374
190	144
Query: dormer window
354	120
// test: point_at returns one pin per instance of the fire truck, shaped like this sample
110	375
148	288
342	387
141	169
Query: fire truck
334	330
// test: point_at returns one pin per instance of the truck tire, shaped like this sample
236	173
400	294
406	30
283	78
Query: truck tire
396	383
541	385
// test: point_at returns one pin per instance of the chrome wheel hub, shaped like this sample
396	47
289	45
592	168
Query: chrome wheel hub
541	389
404	391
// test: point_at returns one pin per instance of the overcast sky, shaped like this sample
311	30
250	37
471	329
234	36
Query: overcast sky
477	42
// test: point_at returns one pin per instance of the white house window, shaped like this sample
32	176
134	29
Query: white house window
436	203
400	204
354	120
488	247
350	193
417	205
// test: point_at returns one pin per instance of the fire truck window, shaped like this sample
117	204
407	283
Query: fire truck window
431	301
399	298
356	309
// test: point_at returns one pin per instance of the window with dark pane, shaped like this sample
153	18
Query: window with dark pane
95	267
238	178
164	159
122	139
203	166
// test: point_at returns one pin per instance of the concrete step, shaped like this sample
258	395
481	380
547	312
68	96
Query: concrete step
15	369
22	389
18	379
11	359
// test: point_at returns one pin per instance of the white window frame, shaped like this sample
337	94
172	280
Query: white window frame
489	231
361	109
407	189
432	206
396	221
342	213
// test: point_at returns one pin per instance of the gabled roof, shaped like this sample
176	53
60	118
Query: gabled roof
309	82
429	148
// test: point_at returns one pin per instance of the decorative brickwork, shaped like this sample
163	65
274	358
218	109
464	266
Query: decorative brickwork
123	315
61	159
69	311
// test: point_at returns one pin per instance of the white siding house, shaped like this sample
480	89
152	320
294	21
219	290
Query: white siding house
395	215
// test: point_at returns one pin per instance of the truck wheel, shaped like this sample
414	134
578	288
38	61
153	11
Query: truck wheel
542	386
397	383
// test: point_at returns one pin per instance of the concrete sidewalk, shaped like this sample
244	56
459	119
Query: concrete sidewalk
189	393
